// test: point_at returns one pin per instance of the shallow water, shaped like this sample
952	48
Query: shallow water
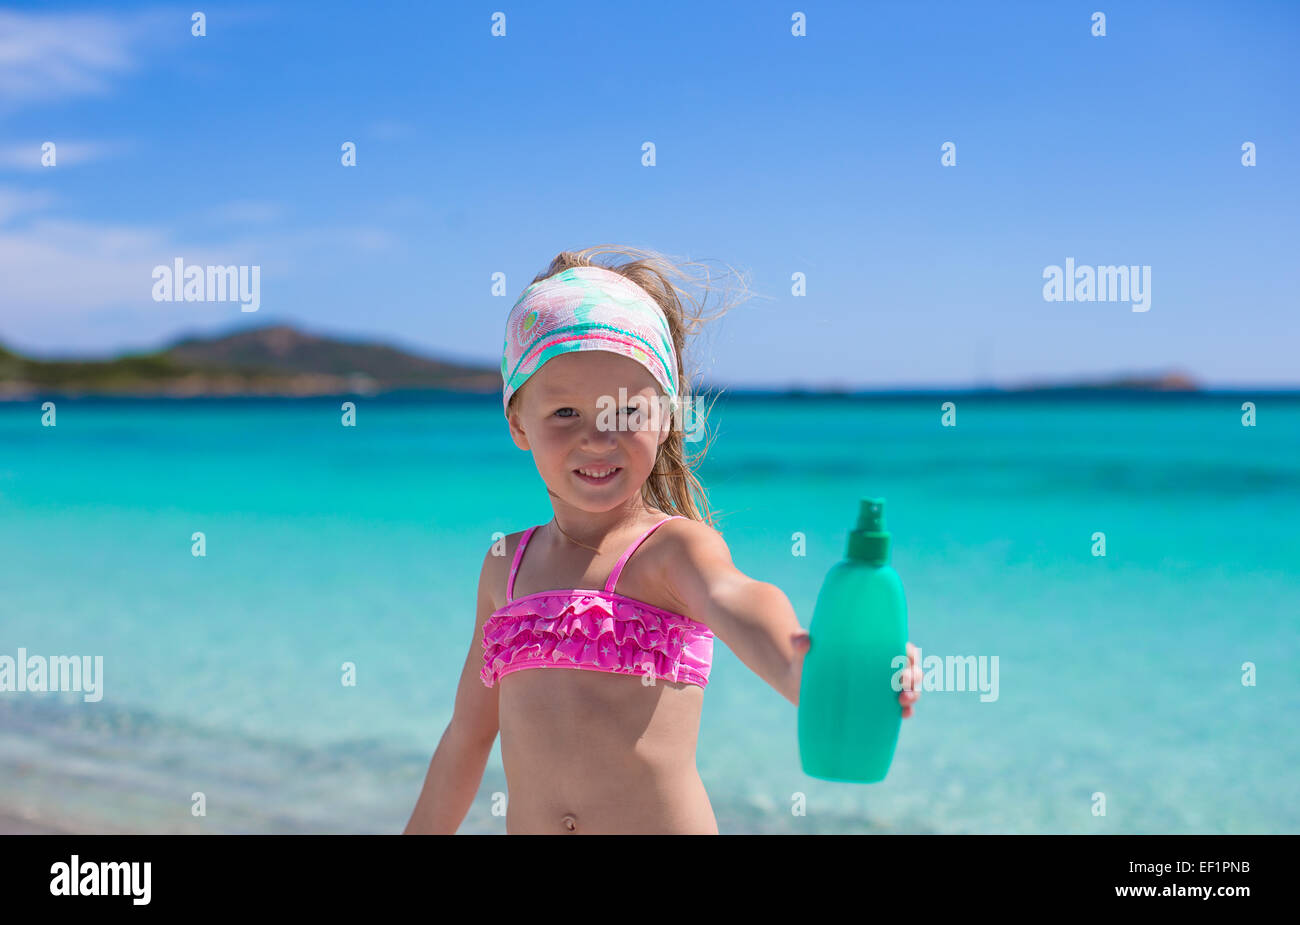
1119	675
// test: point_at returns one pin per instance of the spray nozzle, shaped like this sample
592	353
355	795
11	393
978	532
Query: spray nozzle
871	515
869	540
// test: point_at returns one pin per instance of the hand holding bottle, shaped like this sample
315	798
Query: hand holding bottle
849	708
911	677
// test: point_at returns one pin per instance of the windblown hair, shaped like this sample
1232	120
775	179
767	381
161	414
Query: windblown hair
673	485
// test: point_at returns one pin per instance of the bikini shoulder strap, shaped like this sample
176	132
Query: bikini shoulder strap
627	554
514	567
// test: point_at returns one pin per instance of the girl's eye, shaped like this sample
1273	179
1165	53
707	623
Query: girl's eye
561	412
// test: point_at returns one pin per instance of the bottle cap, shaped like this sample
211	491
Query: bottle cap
869	540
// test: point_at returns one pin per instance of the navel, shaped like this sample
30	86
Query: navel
570	822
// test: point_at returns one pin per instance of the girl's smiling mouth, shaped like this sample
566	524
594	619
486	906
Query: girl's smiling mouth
598	475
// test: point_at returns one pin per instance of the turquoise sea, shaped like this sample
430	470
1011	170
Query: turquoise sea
1118	675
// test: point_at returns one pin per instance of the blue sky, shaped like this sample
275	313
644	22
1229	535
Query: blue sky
775	154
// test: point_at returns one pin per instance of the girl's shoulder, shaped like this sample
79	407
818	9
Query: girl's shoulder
503	548
684	542
497	561
688	554
682	526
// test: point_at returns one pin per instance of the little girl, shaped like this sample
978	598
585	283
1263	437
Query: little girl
594	634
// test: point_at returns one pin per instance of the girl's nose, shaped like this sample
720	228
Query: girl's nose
597	437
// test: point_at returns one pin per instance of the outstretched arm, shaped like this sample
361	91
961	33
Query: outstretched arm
754	618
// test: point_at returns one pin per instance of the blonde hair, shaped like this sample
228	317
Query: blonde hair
672	486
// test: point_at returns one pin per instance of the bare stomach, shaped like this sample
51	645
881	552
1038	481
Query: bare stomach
592	753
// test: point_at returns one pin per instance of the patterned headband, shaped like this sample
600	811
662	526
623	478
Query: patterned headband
586	308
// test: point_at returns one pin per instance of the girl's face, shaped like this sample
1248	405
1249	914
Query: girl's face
572	415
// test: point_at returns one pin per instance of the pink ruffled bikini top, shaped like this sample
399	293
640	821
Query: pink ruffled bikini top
593	630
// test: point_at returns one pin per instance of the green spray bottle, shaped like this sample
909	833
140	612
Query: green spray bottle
849	714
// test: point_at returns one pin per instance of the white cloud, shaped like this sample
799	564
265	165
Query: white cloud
27	155
54	56
76	285
15	202
57	267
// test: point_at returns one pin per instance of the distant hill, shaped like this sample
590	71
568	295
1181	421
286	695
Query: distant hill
281	360
273	360
1159	382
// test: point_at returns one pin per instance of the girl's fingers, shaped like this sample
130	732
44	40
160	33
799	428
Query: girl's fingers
911	681
911	678
912	674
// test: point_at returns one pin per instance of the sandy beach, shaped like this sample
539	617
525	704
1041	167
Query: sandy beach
15	823
19	821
